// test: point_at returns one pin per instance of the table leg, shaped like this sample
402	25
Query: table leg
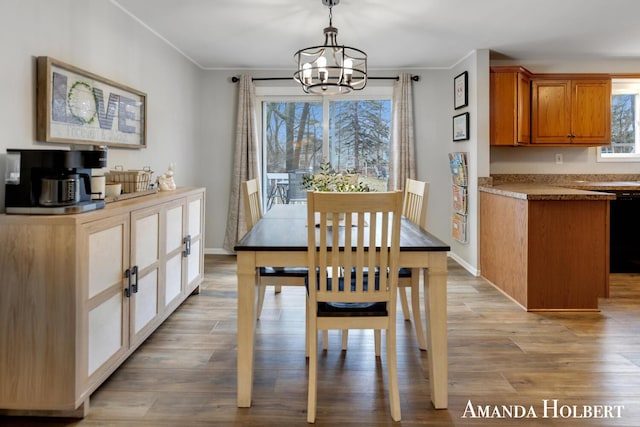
435	294
246	324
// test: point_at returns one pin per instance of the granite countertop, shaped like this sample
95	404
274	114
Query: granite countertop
535	191
560	186
605	185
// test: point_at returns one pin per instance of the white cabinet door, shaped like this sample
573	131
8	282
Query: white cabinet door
174	248
107	309
144	272
194	230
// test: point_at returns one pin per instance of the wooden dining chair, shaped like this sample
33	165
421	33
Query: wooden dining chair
277	276
354	287
414	208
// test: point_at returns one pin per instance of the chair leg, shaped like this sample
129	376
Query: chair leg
325	339
377	338
392	373
313	370
261	290
345	339
277	289
402	292
415	308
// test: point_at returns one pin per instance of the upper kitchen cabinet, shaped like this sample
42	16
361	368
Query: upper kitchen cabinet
510	98
571	110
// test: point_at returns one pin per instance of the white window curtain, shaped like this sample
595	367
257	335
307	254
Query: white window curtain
245	161
402	150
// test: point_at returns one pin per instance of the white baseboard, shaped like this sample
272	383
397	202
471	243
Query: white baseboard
471	269
217	251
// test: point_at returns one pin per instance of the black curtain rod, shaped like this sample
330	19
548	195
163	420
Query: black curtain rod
235	79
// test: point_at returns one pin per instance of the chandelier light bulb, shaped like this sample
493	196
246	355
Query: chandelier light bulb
306	73
322	68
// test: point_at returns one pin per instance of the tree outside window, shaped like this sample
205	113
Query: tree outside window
295	142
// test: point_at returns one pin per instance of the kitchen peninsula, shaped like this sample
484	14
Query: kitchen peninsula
546	246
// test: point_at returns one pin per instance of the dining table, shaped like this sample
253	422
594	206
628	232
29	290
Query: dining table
279	238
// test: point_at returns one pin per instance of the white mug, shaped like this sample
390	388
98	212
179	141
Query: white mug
98	187
113	189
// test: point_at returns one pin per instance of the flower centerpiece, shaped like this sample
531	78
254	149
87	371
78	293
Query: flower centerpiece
329	180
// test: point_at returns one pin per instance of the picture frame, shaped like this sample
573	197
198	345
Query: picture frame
460	92
461	127
78	107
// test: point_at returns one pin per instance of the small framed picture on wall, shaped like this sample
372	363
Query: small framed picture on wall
460	93
461	127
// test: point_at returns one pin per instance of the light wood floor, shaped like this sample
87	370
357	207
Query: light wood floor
185	373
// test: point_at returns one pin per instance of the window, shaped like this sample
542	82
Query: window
300	133
625	138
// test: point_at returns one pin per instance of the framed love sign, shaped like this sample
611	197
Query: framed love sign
78	107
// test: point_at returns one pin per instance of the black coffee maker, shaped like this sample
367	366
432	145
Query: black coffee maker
51	181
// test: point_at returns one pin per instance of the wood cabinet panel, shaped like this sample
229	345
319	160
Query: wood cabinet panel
510	106
568	253
503	244
38	273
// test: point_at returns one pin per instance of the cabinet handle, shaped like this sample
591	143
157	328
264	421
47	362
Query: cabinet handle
127	290
187	246
134	287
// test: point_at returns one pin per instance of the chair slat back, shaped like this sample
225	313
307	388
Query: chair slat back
415	201
252	202
369	233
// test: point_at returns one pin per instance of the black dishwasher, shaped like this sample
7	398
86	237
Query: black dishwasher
625	232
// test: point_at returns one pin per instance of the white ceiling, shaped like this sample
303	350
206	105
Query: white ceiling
264	34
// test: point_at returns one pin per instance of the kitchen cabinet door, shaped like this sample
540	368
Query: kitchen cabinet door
551	111
591	111
510	103
571	111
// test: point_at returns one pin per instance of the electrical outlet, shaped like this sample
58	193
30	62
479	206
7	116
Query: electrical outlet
558	158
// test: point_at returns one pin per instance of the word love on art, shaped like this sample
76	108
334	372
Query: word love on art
79	107
81	104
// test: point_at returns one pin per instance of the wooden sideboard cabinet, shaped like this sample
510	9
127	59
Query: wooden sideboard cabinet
80	293
510	104
571	110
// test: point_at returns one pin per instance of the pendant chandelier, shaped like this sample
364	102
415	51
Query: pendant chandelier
331	69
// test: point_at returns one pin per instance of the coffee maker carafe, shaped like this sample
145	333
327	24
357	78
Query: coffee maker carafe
51	181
